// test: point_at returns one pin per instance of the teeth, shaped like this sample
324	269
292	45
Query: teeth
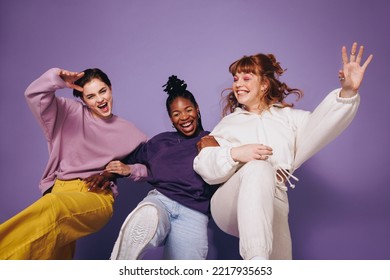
102	105
186	124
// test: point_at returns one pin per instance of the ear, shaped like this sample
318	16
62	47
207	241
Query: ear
198	111
263	87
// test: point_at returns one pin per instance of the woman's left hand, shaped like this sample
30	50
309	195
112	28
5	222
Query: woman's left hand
351	76
99	181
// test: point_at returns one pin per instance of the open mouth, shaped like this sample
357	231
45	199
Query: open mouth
242	92
103	107
187	126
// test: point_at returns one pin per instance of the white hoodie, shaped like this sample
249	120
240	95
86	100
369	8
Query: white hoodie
294	135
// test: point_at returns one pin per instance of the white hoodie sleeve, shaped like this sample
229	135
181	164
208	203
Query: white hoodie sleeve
215	164
317	129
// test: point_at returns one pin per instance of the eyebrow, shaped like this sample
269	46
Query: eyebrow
100	90
189	106
103	88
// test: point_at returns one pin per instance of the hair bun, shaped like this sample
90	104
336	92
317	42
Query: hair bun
175	85
276	65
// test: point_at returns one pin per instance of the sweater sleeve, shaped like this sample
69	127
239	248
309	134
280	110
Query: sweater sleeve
139	172
137	161
45	106
317	129
215	165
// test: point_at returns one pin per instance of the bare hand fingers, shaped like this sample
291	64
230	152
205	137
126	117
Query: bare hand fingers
265	148
70	77
95	183
352	57
262	157
105	185
112	165
344	55
360	55
113	169
368	60
76	87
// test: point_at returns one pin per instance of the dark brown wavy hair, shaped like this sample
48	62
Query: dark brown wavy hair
268	68
89	75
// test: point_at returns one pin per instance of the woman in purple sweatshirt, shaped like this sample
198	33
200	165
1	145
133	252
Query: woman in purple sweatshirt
176	212
82	137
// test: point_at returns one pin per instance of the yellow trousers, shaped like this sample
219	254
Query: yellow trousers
49	228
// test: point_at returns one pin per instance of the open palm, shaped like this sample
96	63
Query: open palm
351	76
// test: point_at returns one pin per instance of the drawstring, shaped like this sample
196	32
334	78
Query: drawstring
285	175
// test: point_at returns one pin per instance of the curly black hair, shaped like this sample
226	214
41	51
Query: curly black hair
178	88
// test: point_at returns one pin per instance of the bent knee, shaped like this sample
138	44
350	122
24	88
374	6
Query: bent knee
153	209
258	166
258	172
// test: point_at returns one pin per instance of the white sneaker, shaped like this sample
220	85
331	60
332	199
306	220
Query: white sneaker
136	232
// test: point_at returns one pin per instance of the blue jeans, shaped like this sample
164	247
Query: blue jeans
181	230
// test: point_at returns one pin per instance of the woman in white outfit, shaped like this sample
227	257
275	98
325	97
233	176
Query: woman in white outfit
252	203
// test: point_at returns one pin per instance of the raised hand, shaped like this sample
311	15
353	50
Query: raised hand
71	77
351	76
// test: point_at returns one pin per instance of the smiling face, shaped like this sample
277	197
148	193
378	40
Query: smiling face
184	116
97	95
248	89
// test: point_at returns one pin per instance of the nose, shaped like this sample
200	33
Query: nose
99	98
184	116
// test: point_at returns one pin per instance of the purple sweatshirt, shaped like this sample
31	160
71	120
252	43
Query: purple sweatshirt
79	144
169	157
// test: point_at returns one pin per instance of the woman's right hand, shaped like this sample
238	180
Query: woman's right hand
206	141
118	167
71	77
246	153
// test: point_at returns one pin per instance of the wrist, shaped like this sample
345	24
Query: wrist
127	171
347	93
233	154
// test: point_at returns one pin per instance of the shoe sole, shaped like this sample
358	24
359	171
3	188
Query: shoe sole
136	233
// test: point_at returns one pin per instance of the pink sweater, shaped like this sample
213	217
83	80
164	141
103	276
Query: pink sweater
79	143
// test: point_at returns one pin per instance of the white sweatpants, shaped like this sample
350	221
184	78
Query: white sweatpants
252	207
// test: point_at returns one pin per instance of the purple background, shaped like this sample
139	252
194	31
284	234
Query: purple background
340	207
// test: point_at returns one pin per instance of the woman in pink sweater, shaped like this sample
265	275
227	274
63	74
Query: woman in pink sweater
82	137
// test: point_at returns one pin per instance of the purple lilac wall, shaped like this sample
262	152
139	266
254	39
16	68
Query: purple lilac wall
340	208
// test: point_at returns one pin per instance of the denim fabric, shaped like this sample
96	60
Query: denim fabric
181	230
